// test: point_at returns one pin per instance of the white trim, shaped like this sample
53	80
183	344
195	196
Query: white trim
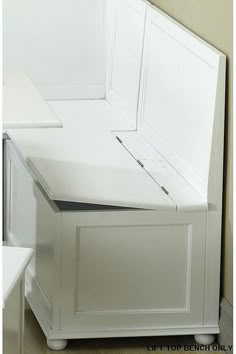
214	198
226	323
106	333
132	333
70	92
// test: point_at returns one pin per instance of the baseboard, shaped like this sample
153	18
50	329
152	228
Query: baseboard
63	92
226	323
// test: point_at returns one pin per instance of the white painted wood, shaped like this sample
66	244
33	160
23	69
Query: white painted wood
100	280
205	339
72	92
179	96
93	114
186	322
173	331
111	252
180	191
64	51
34	226
125	57
98	171
15	261
23	107
214	221
110	16
56	344
171	255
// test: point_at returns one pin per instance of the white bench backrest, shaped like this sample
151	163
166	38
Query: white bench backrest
125	56
181	79
181	96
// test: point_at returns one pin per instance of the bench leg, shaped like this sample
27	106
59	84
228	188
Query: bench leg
204	339
57	344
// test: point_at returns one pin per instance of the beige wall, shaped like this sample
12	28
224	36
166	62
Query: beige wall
213	21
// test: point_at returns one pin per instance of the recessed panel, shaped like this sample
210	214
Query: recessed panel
133	269
178	97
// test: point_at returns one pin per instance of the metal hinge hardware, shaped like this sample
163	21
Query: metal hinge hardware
119	139
165	190
140	163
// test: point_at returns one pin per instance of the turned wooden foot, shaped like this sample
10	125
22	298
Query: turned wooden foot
205	339
57	344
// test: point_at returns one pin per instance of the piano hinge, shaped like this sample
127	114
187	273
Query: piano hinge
165	190
119	139
140	163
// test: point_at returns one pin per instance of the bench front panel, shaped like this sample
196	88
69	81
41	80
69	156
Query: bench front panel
119	276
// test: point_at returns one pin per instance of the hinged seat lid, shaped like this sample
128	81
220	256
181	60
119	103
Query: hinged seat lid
78	164
165	175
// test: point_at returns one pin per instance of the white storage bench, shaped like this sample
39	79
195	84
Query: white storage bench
122	206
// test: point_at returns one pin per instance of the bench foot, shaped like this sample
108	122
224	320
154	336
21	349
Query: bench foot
57	344
204	339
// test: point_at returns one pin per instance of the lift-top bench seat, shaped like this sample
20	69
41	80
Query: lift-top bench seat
86	162
123	205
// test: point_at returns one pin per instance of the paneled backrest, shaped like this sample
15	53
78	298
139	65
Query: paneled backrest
181	108
125	56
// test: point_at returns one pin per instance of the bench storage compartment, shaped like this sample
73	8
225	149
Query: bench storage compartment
107	271
123	205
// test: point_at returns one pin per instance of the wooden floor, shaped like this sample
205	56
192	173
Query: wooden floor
35	343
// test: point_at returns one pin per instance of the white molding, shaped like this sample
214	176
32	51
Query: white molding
226	323
168	331
60	334
70	92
